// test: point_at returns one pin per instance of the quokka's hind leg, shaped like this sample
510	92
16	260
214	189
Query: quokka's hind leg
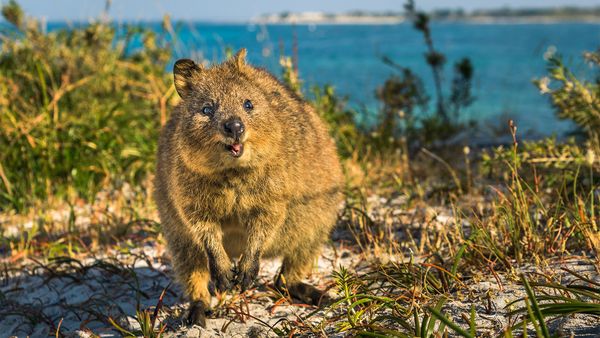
295	267
308	228
190	264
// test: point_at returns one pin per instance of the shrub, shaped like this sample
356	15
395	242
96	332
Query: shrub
80	109
575	99
402	94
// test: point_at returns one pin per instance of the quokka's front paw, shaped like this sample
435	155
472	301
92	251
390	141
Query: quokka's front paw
247	273
223	279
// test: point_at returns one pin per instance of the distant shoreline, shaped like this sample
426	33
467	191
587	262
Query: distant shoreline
482	21
401	20
367	21
500	15
495	16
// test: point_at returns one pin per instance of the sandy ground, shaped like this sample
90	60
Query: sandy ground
79	296
75	296
78	293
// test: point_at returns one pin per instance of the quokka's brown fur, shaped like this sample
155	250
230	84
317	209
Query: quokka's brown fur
278	199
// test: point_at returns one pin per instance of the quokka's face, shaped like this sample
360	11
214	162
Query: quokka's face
227	120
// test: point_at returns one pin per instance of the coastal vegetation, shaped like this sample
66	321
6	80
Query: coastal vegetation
428	215
80	109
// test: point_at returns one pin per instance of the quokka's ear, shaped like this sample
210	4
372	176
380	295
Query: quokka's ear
183	72
239	59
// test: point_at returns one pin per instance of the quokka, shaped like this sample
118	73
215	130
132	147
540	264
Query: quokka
246	169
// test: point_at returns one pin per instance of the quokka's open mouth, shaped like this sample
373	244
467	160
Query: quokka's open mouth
236	149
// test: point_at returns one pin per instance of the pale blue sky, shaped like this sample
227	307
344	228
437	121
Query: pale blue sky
239	10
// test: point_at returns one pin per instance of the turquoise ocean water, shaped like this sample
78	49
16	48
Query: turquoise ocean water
506	57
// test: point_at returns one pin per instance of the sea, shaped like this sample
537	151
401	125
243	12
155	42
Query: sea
506	57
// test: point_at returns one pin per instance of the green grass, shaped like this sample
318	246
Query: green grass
78	113
148	321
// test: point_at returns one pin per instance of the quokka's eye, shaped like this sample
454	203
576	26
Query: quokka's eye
248	105
207	110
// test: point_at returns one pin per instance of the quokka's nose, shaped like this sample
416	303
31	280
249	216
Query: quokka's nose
233	128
